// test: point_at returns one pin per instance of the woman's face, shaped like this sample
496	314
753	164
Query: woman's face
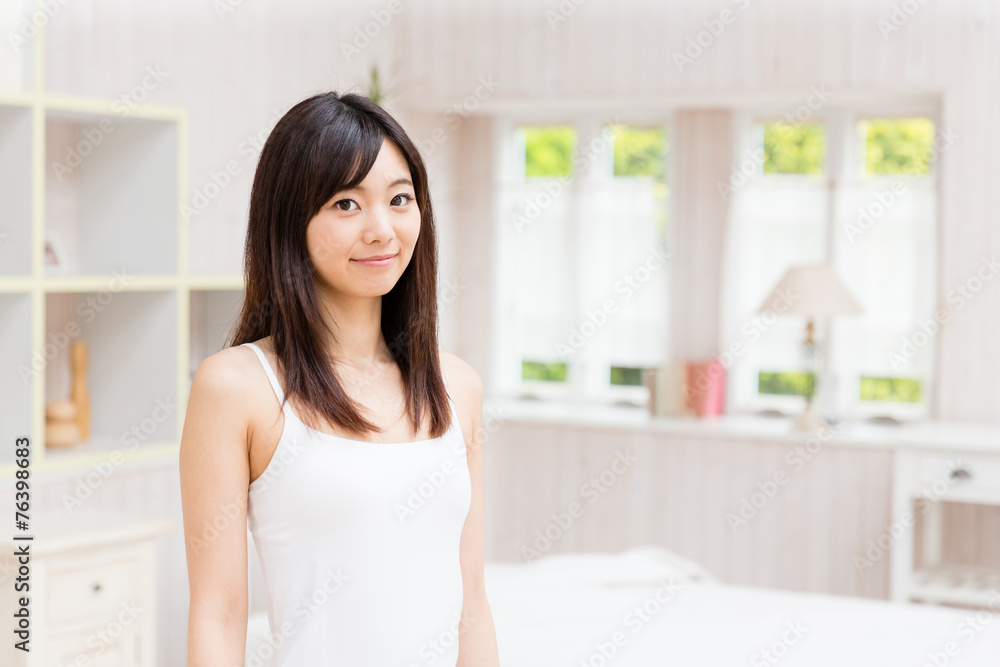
378	218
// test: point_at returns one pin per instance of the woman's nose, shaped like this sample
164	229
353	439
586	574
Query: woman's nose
379	222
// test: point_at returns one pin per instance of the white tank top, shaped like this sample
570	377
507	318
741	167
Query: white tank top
359	545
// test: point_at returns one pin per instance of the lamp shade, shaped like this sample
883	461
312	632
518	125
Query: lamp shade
813	290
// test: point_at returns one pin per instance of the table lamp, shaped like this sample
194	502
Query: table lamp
814	291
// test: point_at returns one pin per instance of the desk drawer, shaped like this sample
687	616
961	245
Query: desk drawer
942	475
84	647
81	589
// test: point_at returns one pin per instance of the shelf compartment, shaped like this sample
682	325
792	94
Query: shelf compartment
15	190
17	58
111	192
956	584
131	367
16	383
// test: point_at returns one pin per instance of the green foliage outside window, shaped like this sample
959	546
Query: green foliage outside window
539	370
900	390
548	151
898	146
639	151
788	384
794	148
622	375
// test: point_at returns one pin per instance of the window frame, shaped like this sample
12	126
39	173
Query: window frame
584	384
843	166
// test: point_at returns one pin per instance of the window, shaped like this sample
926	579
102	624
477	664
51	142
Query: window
793	149
897	146
639	152
855	189
548	151
582	258
885	249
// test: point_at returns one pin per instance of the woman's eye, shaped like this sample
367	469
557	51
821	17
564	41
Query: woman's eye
345	201
404	196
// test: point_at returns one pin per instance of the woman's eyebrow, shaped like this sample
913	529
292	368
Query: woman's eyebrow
398	181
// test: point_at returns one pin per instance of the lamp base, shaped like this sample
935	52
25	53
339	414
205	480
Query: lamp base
808	421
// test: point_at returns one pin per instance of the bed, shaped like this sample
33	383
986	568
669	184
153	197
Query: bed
649	607
579	610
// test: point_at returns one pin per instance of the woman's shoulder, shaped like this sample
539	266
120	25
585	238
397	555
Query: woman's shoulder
231	371
466	389
459	376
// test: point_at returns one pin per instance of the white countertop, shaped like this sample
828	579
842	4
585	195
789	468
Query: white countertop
56	531
932	435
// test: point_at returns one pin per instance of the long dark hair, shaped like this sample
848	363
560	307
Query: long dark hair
323	145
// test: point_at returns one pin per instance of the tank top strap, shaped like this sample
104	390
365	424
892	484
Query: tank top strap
270	374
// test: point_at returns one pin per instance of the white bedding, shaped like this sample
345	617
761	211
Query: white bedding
566	610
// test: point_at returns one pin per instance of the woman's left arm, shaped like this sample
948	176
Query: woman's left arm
477	634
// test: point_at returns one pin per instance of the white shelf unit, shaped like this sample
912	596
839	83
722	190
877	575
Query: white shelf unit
109	185
15	190
21	55
934	478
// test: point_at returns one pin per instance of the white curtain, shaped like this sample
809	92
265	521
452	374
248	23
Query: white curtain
622	237
890	267
543	267
569	245
772	224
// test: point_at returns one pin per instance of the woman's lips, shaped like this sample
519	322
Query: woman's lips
376	262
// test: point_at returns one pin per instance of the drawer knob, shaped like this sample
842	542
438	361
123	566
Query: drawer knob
960	474
97	587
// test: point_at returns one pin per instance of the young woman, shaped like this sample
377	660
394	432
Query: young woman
362	482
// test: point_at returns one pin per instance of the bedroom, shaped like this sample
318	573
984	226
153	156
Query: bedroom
766	394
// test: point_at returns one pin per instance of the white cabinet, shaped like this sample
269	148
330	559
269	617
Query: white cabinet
92	595
924	479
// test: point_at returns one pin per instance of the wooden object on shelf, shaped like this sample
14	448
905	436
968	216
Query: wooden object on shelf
62	426
78	392
60	434
67	423
60	411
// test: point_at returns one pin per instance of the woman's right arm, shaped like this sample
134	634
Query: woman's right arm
214	478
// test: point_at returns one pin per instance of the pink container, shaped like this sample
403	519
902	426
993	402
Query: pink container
704	388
